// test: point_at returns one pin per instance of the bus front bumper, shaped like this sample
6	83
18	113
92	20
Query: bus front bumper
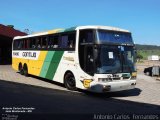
112	86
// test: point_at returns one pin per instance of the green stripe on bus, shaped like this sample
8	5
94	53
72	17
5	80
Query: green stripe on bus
46	63
70	29
54	64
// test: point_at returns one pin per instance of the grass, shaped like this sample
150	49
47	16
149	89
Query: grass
146	53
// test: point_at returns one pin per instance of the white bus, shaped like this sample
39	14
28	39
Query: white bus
94	58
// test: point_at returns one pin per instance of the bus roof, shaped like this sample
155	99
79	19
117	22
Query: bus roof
72	29
102	27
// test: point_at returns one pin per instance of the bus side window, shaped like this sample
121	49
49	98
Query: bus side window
53	41
44	42
28	43
15	44
32	43
63	41
20	44
25	45
50	42
38	42
67	40
86	36
71	40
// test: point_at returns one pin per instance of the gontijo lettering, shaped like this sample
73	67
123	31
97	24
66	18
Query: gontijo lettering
29	54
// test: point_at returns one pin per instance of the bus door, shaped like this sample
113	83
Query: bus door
88	59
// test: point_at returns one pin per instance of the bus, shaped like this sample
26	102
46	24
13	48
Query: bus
94	58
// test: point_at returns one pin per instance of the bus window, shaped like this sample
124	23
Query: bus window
89	60
20	44
86	36
38	42
15	44
68	40
71	40
32	43
53	42
44	42
25	46
64	41
50	42
28	43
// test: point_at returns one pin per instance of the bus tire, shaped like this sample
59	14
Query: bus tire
20	69
69	81
25	70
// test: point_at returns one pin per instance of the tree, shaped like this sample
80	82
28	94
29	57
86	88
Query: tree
26	31
139	56
11	26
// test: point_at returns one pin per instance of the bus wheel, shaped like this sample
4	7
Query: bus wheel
25	70
69	81
20	69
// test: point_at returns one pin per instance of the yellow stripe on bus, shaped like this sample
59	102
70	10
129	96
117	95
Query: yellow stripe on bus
34	66
15	63
54	31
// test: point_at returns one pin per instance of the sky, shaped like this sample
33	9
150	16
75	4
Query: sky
141	17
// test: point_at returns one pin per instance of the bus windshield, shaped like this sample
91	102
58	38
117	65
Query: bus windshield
115	59
104	36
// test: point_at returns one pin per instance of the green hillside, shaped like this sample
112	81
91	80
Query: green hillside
146	50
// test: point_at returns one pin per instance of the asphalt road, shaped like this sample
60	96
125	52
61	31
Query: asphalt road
57	102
